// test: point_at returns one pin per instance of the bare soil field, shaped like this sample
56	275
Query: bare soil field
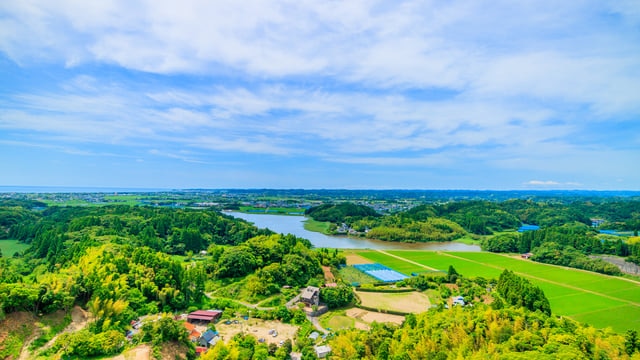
369	316
356	259
328	275
410	302
258	328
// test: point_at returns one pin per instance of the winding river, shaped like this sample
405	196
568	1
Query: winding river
295	225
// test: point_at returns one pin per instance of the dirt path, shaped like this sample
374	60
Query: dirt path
406	260
142	352
243	303
25	353
548	281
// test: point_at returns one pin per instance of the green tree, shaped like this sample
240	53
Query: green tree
336	297
235	262
631	342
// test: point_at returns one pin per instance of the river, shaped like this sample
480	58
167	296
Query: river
295	225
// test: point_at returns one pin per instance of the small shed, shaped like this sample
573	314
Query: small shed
314	335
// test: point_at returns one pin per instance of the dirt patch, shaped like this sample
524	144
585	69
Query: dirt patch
356	259
369	316
409	302
258	328
173	350
328	276
487	299
19	325
142	352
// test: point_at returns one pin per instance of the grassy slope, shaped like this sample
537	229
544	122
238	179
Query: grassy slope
596	299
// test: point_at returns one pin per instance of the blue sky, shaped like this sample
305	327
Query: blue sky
320	94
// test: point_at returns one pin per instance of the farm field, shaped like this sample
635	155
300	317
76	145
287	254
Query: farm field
592	298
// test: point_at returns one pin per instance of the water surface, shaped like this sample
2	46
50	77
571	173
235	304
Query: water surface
295	225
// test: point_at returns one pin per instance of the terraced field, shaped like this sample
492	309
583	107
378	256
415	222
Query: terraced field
600	300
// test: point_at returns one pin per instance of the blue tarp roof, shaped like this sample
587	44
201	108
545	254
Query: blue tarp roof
380	272
526	227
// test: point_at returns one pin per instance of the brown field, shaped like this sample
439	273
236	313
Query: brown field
365	316
356	259
411	302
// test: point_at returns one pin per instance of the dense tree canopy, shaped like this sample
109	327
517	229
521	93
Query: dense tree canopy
343	212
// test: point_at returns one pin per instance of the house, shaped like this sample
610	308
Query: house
209	338
200	350
314	335
194	335
322	351
311	295
458	300
206	316
295	356
526	256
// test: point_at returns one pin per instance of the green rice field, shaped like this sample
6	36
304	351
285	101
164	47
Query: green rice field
599	300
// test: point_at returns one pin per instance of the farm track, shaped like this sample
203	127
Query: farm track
547	281
406	260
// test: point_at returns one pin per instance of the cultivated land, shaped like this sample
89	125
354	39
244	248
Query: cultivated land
408	302
599	300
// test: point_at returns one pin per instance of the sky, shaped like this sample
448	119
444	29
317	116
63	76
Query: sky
320	94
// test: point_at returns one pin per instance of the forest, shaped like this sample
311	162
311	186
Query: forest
483	217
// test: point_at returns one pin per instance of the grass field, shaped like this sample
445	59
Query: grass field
588	297
352	275
317	226
10	247
336	321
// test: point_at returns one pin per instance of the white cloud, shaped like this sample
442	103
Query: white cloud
543	183
552	184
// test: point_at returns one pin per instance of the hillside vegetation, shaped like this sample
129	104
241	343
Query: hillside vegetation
121	263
